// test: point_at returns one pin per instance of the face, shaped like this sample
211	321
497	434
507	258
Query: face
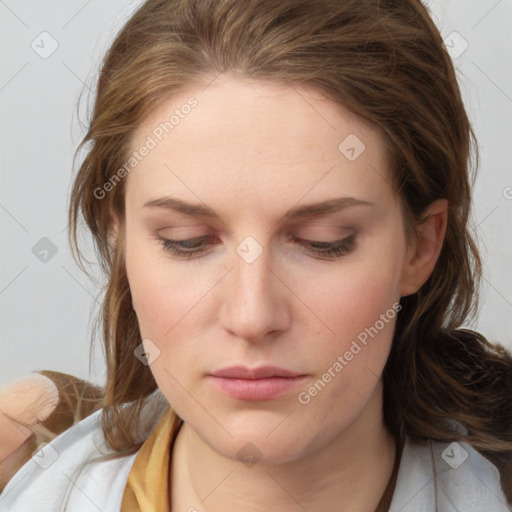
262	281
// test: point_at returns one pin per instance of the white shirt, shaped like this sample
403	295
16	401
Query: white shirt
59	478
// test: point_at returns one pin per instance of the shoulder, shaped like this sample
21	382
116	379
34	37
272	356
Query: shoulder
453	476
64	472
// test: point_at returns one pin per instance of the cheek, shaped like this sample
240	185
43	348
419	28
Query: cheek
149	296
165	301
359	325
357	291
171	302
358	302
161	290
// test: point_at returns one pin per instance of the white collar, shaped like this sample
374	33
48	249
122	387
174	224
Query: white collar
473	487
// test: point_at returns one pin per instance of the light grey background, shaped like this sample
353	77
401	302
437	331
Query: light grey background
47	308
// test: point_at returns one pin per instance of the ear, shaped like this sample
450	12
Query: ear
422	253
113	231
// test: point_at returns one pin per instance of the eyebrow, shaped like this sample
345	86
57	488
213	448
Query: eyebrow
305	211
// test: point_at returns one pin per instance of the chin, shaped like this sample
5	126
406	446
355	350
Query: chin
263	442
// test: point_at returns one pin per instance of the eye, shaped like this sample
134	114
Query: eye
323	250
184	248
329	250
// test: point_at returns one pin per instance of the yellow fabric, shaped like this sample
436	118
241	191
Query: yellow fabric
147	488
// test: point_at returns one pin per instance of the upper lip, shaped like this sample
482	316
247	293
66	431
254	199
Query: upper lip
262	372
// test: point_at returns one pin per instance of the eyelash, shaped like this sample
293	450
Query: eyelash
327	250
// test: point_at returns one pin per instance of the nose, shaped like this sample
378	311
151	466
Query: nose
255	300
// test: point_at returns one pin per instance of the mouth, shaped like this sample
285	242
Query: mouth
262	372
263	383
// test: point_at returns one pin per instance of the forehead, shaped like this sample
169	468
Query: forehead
257	140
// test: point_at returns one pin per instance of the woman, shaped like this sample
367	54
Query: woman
279	195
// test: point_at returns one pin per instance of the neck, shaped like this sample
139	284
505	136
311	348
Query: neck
349	473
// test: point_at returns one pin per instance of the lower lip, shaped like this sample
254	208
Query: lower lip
256	389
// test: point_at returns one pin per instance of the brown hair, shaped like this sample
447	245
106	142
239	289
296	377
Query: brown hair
383	59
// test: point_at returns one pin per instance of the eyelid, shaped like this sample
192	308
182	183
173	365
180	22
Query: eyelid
333	232
331	250
308	238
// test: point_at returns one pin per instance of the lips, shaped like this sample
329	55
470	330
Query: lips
262	372
263	383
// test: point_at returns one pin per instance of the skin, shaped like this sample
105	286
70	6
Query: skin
251	151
